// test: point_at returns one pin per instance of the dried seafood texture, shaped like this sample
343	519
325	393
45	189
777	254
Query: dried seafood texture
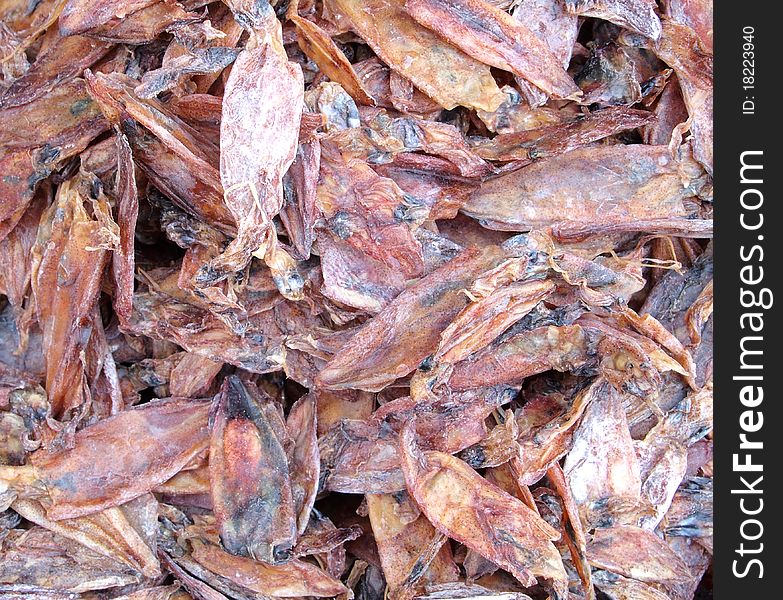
63	59
366	212
556	27
663	453
447	422
635	553
696	558
391	90
292	579
355	279
436	67
483	320
178	67
389	138
390	346
259	132
125	533
299	213
70	255
637	15
175	158
80	16
155	441
371	464
571	528
602	463
137	22
193	376
617	587
333	406
319	47
627	185
58	125
681	49
123	259
442	192
682	303
304	460
696	14
467	508
413	554
670	111
196	329
16	266
157	592
616	74
691	512
326	542
360	457
550	140
39	560
517	355
12	434
356	298
249	476
546	427
493	37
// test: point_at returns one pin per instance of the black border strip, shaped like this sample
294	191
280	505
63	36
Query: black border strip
737	247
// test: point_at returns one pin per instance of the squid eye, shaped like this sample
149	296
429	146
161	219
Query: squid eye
282	553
